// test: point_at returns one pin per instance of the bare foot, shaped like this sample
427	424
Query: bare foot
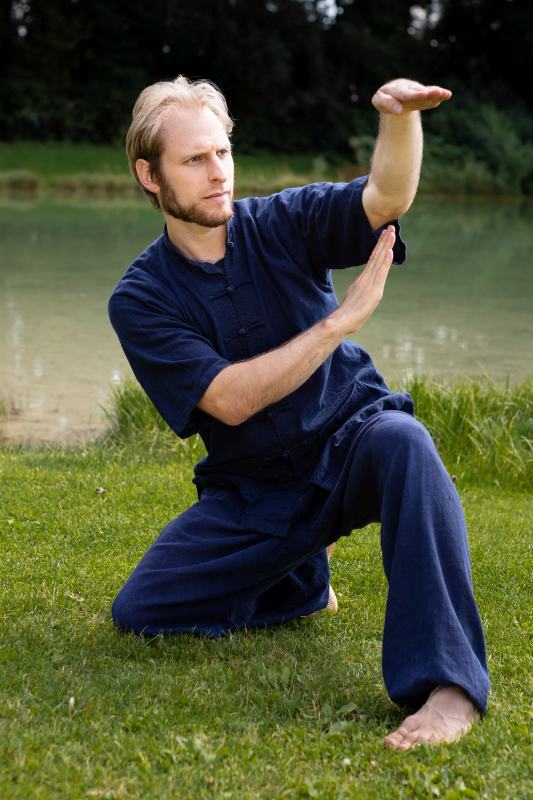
447	714
333	604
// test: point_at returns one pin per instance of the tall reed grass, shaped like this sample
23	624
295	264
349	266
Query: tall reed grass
483	430
133	423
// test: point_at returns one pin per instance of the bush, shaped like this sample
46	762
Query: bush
470	149
478	149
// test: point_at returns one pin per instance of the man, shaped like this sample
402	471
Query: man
230	323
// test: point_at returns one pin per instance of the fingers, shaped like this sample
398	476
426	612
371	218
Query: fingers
380	269
366	292
380	260
383	101
385	242
439	92
402	95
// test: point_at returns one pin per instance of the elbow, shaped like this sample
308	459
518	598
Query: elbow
394	211
233	420
221	403
400	210
382	207
231	414
387	215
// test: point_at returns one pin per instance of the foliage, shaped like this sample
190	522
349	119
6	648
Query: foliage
298	74
478	148
470	148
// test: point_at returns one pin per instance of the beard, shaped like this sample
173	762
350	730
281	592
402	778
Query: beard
208	218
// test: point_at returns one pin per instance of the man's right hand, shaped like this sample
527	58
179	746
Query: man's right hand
365	293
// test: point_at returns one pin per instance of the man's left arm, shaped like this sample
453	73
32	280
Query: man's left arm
395	169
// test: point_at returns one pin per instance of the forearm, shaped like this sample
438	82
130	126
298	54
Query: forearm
244	388
395	168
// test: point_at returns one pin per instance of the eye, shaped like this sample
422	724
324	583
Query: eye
223	153
194	159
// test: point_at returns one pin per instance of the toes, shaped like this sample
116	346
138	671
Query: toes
393	739
411	740
404	737
428	735
427	726
397	741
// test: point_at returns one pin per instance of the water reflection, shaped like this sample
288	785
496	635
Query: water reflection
460	306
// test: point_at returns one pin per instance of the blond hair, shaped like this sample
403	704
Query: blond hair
144	139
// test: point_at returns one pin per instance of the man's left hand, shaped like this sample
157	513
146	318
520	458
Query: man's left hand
402	95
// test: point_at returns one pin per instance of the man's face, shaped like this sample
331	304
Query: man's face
196	168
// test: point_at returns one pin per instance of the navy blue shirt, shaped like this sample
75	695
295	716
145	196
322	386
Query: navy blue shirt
180	322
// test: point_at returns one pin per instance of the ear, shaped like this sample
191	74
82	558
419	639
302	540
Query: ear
142	167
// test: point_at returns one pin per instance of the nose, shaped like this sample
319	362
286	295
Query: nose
217	171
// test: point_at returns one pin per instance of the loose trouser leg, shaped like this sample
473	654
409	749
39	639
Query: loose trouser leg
205	574
432	632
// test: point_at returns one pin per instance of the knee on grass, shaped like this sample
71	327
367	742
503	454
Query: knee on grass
128	616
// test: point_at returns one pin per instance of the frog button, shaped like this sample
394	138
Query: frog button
285	455
242	331
230	289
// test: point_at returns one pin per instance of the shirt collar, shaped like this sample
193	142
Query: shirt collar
206	266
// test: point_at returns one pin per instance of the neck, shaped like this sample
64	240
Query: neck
196	241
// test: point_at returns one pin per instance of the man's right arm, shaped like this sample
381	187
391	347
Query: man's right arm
245	388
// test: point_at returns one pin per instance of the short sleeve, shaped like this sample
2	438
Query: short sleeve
173	362
331	220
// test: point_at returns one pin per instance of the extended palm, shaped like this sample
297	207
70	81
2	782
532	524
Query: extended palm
402	95
365	293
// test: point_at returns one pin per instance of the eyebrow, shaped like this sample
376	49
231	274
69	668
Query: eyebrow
204	152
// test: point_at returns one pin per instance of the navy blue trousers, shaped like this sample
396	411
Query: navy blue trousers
207	574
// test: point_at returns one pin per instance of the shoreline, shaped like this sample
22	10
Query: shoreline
97	187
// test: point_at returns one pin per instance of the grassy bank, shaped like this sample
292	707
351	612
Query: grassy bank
68	169
89	170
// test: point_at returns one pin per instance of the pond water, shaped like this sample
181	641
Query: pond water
461	306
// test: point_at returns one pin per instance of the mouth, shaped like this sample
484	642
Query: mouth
217	196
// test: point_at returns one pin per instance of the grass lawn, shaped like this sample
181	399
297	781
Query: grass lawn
294	711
